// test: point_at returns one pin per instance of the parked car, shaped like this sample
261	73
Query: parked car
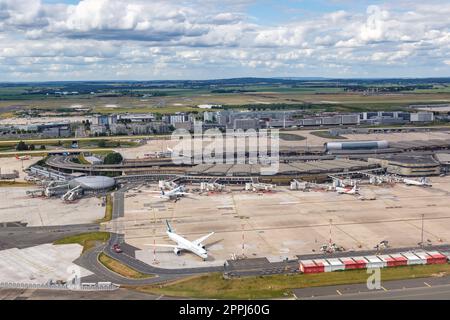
117	248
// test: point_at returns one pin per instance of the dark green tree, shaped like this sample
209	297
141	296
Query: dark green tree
21	146
113	158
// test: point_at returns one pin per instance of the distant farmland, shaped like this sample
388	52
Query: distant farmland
171	100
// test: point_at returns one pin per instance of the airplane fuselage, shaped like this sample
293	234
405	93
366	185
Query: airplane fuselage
188	245
174	194
346	190
409	182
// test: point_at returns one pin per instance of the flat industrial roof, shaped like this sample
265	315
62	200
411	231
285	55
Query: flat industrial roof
311	167
443	157
408	159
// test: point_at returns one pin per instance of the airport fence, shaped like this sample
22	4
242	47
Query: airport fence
100	286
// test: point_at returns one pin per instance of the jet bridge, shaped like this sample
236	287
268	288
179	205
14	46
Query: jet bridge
55	188
72	194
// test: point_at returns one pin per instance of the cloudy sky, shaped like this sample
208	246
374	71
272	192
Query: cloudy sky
207	39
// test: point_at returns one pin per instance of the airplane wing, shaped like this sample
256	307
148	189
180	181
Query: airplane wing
166	246
162	245
200	240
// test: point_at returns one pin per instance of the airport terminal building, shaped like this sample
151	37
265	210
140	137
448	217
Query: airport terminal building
409	166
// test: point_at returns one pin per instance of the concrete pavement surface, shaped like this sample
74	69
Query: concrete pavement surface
421	288
121	294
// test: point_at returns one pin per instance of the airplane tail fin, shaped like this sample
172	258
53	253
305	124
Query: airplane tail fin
169	228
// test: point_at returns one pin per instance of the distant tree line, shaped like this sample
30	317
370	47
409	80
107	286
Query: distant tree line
388	88
231	91
22	146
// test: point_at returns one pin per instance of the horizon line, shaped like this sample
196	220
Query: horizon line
291	78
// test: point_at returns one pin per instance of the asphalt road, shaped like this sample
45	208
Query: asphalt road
24	237
422	288
89	260
435	293
88	139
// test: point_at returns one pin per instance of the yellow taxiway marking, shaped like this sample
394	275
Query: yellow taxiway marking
339	293
384	288
427	284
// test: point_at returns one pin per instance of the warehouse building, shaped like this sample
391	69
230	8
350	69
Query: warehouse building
422	117
245	124
356	145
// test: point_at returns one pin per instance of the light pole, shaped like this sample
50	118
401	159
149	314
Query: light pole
421	242
243	241
155	261
331	242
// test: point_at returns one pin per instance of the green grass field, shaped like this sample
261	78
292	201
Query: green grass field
87	240
214	286
108	210
172	100
291	137
12	184
121	269
326	135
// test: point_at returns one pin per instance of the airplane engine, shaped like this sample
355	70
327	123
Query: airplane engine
177	251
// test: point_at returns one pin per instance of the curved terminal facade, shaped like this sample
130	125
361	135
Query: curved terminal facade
356	145
93	183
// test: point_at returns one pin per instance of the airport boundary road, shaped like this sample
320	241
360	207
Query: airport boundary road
421	288
87	139
89	260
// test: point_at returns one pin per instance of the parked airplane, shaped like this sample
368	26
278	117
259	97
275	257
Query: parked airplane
423	182
195	246
22	157
347	190
174	194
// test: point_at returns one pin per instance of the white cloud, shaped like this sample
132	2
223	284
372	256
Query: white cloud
169	38
376	26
